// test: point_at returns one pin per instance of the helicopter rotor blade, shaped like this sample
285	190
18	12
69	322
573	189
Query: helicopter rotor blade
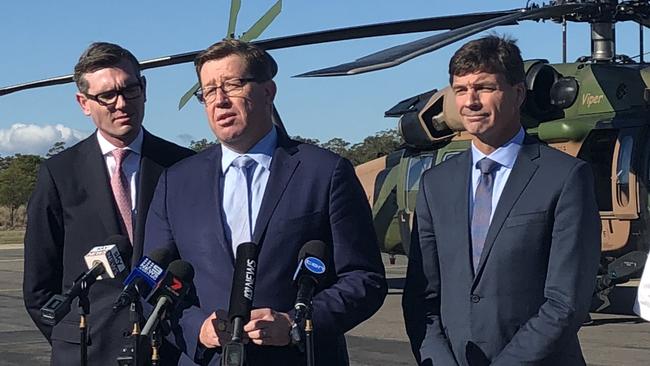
235	5
262	23
332	35
399	54
340	34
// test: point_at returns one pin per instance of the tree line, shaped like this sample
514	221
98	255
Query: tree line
18	172
381	143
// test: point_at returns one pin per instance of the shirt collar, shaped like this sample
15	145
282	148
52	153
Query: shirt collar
505	155
262	152
106	147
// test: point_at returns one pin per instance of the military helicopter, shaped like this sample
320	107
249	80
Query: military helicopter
594	108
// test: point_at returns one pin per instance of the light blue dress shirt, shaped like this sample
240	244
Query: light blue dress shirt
262	153
505	155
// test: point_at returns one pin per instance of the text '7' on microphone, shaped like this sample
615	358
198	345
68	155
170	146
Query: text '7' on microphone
241	301
171	290
103	261
143	278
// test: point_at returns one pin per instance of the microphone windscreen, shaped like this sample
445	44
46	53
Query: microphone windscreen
243	282
181	269
314	248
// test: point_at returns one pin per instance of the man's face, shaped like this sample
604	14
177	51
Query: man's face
118	122
488	106
242	117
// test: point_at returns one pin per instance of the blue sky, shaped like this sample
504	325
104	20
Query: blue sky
42	39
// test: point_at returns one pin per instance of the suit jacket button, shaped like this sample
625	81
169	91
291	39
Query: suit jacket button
475	298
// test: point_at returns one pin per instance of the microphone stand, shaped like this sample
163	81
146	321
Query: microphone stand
304	338
155	344
134	316
84	310
309	339
131	352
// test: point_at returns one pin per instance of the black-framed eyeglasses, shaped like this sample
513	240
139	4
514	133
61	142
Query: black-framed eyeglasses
232	87
108	98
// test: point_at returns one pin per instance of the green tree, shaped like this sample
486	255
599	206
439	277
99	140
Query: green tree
382	143
306	140
339	146
55	149
5	161
201	145
17	182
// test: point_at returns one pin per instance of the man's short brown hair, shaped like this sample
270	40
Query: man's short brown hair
258	62
100	55
491	54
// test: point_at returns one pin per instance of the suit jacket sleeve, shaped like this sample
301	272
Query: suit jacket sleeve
421	299
43	272
360	286
570	279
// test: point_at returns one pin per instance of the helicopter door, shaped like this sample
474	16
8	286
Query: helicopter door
626	203
609	152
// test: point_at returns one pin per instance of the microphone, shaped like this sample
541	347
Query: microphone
114	254
311	271
144	277
243	287
170	291
103	261
241	301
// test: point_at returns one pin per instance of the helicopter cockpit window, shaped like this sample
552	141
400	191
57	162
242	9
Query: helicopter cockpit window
598	151
417	166
623	171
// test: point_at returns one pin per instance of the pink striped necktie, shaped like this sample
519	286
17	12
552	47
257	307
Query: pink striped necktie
121	191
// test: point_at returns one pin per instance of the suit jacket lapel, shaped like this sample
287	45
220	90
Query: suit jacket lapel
282	168
148	175
215	185
93	171
459	200
521	173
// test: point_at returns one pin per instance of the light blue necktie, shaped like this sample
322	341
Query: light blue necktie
482	208
241	230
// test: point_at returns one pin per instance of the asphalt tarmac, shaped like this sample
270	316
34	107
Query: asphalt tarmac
610	340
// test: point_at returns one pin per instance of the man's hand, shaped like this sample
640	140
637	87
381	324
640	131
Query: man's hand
215	330
268	327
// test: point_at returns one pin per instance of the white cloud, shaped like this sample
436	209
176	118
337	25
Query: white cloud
34	139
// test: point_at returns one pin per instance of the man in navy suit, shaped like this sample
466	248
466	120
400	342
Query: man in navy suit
507	237
292	193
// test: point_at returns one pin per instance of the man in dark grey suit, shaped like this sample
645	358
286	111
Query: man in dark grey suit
74	206
506	241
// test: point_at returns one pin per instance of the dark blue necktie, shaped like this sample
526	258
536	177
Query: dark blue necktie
482	207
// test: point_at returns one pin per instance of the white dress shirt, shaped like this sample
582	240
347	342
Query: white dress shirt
130	165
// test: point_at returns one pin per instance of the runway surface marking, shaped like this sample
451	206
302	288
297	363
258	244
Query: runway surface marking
11	246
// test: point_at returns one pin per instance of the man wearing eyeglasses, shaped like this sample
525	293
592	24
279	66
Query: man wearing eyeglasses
259	186
99	187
